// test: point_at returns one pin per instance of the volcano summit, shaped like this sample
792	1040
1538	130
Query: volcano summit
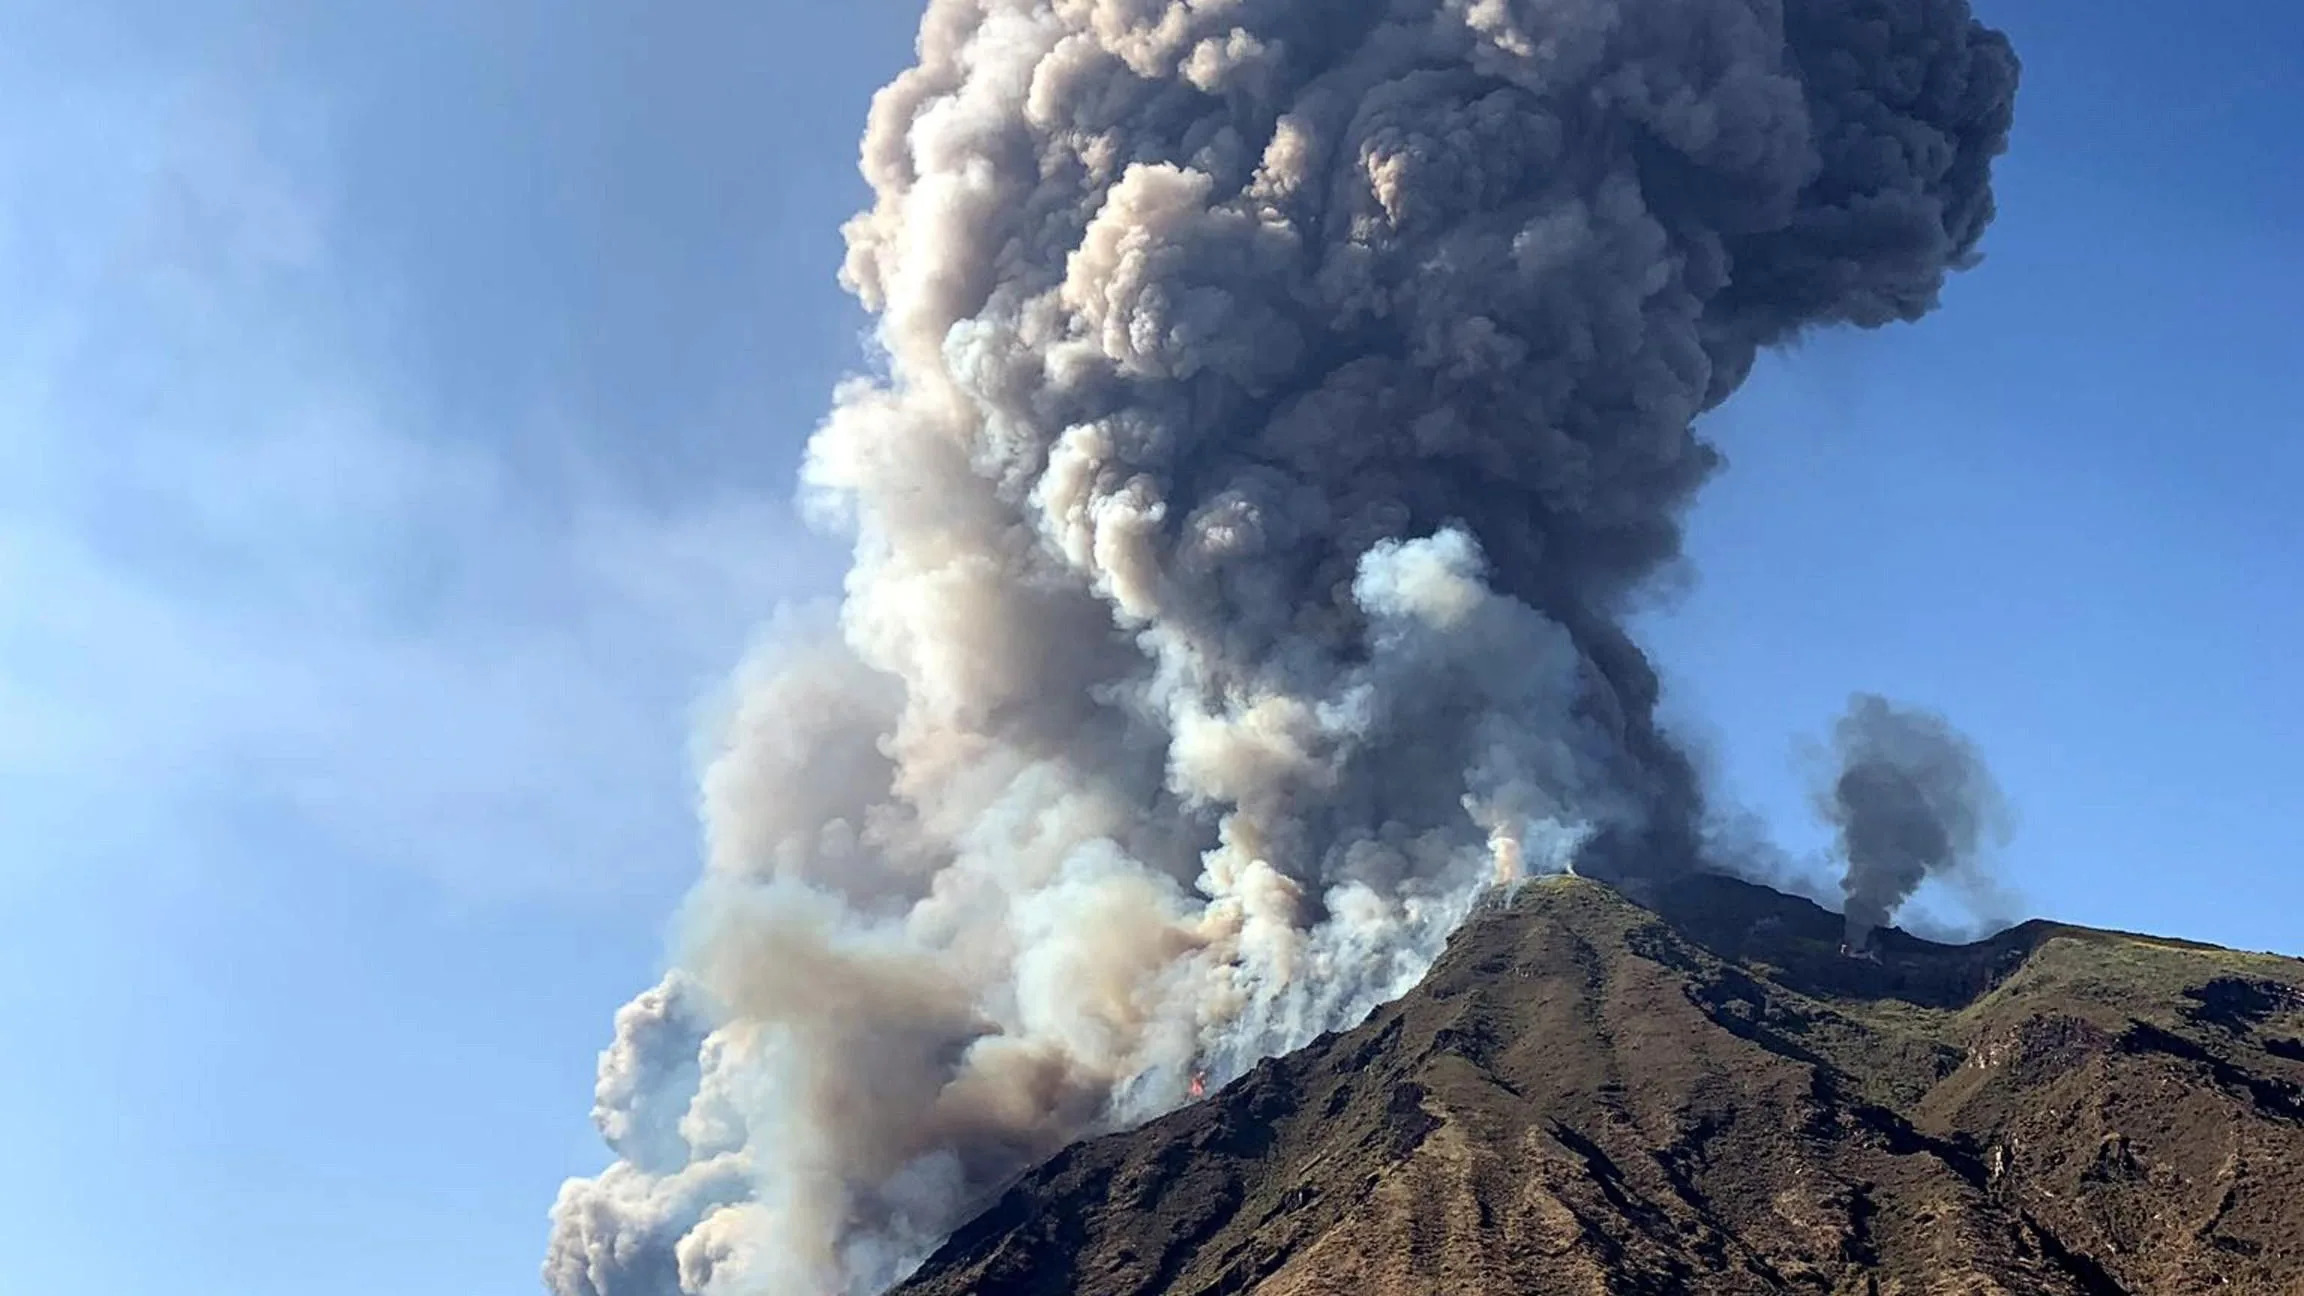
1587	1098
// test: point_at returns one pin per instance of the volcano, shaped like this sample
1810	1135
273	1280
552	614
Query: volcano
1705	1094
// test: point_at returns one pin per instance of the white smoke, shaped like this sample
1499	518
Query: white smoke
857	1051
1281	401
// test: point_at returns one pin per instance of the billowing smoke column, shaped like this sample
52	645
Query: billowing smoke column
1282	401
1911	799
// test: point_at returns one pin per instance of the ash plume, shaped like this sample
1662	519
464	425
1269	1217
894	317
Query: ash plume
1282	401
1912	799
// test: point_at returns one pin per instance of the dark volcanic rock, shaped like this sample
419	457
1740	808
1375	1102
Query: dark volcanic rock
1586	1096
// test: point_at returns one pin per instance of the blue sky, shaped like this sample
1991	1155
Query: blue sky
397	411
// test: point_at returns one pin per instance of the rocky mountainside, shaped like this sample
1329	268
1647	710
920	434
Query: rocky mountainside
1707	1096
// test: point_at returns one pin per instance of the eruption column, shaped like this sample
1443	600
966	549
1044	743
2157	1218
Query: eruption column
1911	799
1282	402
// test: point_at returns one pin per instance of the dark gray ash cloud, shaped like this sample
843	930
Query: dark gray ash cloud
1911	799
1283	400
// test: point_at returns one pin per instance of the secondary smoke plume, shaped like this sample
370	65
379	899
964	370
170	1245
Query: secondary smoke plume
1911	799
1282	401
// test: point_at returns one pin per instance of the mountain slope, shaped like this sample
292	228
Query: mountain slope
1588	1096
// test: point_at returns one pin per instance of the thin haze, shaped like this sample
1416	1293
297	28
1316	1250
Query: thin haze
1282	406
